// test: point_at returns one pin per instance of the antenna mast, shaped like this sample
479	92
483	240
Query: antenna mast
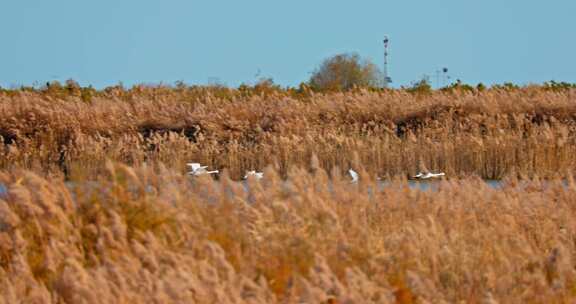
387	79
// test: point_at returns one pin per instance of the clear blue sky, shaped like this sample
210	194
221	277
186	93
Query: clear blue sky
145	41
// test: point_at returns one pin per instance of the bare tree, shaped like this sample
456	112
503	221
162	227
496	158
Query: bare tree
343	72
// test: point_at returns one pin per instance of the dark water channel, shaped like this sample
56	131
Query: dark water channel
430	185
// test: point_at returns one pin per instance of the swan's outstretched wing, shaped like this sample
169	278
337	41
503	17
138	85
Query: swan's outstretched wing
258	175
432	175
194	166
419	175
354	175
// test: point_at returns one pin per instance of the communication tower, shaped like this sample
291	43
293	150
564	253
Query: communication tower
387	79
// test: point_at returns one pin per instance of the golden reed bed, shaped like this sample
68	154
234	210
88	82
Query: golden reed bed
491	133
144	235
95	205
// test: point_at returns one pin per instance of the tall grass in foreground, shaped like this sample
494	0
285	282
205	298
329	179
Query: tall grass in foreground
142	235
490	132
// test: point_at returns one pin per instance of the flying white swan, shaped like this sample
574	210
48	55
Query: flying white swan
425	173
196	169
353	175
258	175
428	175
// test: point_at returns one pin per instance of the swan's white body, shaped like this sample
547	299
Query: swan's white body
429	175
196	169
353	175
258	175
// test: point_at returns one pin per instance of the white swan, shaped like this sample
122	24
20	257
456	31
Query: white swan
196	169
258	175
353	175
428	175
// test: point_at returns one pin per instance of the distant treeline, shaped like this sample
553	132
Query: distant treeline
263	86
